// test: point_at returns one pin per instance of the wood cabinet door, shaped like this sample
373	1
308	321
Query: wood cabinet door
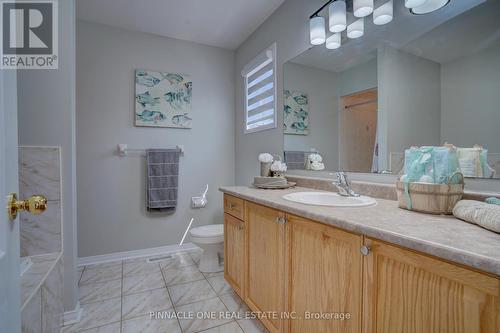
264	278
234	252
410	292
324	278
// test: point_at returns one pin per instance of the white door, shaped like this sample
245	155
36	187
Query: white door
10	299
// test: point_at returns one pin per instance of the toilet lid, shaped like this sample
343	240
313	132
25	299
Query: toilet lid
210	230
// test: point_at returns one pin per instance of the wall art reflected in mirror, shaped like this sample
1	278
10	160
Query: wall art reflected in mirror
422	80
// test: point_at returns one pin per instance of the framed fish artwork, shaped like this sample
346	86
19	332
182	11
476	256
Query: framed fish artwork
296	112
162	99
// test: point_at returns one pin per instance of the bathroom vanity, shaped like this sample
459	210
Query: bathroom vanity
372	269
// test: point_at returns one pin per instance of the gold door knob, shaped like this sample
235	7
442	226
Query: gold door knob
35	205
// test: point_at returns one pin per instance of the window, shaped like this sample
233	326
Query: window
260	91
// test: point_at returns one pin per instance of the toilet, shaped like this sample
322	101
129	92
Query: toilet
211	240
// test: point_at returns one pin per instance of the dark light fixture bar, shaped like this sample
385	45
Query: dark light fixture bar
320	9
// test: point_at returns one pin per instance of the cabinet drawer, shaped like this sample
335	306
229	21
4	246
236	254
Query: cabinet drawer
234	206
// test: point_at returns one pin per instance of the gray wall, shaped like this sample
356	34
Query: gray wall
359	78
46	113
321	87
292	38
409	102
470	100
111	189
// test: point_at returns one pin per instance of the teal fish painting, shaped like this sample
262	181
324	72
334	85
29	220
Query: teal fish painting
301	114
173	78
144	79
146	99
299	126
181	119
163	99
300	99
287	109
151	116
295	112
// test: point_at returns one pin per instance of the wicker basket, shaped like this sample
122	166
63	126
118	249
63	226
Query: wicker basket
430	198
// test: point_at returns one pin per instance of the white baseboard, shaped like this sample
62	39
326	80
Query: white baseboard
73	316
154	251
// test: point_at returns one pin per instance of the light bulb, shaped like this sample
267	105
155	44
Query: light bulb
356	29
317	30
337	16
334	41
383	14
362	8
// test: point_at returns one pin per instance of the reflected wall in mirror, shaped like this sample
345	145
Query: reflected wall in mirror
422	80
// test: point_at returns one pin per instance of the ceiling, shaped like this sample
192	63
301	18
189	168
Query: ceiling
405	30
221	23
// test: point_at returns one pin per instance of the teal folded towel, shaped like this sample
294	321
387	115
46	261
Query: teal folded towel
493	201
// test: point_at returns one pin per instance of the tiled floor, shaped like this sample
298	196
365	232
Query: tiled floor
118	297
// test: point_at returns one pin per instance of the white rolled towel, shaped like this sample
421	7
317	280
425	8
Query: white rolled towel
480	213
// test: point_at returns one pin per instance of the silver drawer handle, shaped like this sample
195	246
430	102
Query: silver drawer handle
280	220
365	250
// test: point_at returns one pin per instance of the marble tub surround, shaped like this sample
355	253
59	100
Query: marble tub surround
445	237
181	288
40	173
42	295
372	189
35	276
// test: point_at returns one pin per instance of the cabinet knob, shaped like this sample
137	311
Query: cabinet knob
365	250
280	220
232	206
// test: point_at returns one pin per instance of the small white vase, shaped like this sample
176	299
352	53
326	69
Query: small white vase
265	169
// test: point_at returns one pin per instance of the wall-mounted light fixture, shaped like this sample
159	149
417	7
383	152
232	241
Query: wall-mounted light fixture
337	20
429	6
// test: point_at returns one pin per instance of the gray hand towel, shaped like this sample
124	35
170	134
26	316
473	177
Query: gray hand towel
162	167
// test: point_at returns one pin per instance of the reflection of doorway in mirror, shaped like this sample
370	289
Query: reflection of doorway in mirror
358	130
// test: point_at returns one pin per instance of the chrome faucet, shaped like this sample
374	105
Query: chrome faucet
343	186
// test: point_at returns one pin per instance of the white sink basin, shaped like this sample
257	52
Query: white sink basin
329	199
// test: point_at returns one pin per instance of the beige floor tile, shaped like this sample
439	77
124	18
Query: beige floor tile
177	275
236	305
95	292
199	322
178	260
111	328
191	292
101	274
97	314
142	303
145	324
138	267
139	283
220	285
104	265
208	275
232	327
252	326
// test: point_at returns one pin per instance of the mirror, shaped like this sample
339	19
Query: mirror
421	80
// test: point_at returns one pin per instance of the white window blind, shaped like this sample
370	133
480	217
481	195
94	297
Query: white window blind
260	91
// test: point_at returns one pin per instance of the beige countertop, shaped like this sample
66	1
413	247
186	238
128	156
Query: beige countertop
442	236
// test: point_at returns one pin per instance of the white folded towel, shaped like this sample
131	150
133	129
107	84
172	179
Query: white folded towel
480	213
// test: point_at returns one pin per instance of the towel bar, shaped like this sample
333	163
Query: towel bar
122	149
